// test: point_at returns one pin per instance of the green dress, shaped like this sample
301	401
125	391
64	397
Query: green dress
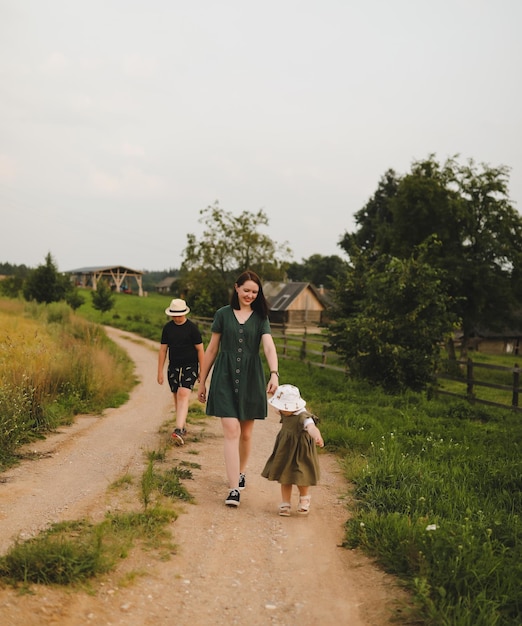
238	385
294	459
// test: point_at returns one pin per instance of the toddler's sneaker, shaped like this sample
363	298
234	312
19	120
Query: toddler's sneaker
232	498
242	482
177	436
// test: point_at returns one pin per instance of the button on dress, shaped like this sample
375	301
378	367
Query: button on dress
238	385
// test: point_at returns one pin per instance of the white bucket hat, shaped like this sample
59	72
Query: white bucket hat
287	398
177	308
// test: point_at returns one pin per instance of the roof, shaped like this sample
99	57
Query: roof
166	282
508	333
281	295
103	268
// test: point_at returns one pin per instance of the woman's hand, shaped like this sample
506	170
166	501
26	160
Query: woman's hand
202	396
273	383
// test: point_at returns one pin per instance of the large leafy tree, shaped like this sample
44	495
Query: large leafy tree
229	245
467	210
389	319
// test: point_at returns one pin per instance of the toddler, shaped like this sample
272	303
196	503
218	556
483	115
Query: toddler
294	459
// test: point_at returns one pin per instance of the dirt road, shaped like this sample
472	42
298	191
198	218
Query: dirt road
245	566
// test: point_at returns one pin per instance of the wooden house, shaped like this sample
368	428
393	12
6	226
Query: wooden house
294	304
165	285
508	341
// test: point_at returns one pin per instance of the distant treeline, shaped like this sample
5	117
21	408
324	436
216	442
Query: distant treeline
8	269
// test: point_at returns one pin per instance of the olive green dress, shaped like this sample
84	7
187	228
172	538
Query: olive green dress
294	459
238	385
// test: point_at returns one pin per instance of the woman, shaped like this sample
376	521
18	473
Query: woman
238	389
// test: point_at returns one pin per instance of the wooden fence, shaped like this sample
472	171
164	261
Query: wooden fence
309	345
470	381
304	343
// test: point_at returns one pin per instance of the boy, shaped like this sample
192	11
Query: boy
183	340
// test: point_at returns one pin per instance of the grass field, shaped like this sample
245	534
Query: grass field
144	316
437	482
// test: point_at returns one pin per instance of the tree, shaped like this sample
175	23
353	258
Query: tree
228	246
479	233
102	298
318	270
389	320
74	299
46	284
204	289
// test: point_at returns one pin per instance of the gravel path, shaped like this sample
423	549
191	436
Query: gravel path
246	566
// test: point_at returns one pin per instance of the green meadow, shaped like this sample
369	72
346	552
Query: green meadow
144	316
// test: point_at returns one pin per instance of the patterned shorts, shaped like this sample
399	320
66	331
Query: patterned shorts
183	376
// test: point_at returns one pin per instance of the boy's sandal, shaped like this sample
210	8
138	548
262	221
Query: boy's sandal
304	505
284	509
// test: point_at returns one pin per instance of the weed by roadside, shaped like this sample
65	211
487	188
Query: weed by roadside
69	553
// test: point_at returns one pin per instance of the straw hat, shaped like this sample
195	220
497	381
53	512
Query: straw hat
177	308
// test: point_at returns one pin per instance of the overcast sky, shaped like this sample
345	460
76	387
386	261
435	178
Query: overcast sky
121	119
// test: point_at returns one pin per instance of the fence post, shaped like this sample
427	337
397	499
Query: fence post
303	346
285	345
516	382
469	378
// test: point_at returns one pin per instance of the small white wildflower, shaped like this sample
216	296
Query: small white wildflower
431	527
361	524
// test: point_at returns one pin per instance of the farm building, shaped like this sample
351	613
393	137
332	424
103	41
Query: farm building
119	277
508	341
294	304
165	285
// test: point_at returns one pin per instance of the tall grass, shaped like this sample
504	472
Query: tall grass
53	365
438	488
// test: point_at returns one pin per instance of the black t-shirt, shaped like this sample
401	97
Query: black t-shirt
181	340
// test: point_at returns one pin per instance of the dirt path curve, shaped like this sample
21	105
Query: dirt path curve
247	566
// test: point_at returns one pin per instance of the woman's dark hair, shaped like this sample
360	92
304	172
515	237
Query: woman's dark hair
260	305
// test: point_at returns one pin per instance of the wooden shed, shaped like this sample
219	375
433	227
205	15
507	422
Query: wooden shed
294	304
117	275
508	341
165	285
